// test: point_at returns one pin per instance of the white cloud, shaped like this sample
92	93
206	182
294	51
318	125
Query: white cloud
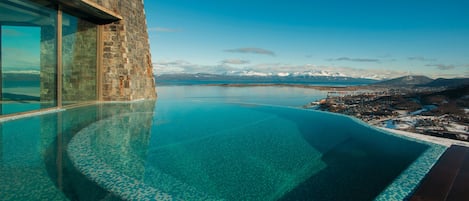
442	66
182	66
419	58
18	58
235	61
11	32
252	50
354	59
163	29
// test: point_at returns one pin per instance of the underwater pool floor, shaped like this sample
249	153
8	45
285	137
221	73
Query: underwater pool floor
219	151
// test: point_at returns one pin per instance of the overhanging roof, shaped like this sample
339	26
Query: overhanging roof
19	12
90	11
84	9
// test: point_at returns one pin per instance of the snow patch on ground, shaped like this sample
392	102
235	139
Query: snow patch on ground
454	127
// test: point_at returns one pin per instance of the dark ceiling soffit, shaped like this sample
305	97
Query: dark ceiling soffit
89	10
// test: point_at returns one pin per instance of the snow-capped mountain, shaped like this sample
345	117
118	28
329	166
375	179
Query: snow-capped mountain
247	73
252	77
318	73
278	70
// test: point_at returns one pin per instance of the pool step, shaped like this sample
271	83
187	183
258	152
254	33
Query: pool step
448	179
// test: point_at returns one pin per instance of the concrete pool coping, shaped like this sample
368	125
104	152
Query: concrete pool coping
427	138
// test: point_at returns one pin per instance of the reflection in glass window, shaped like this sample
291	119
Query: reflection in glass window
28	56
79	41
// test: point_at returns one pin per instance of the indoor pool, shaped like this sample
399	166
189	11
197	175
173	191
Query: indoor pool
193	148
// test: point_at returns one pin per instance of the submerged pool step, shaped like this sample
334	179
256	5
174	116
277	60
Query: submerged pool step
448	179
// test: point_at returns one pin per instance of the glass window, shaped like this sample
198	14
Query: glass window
28	56
79	46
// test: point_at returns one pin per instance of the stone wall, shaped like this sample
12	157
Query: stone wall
127	67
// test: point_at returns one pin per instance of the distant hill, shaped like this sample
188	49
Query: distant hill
203	78
441	82
410	80
20	76
11	80
460	92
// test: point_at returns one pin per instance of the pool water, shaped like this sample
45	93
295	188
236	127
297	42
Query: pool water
33	160
193	148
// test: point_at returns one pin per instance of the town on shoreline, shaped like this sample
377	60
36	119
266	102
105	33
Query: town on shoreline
435	111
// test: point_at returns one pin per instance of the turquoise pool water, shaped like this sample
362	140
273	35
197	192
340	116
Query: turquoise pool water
202	143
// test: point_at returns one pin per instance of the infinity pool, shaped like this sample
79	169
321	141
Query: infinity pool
193	148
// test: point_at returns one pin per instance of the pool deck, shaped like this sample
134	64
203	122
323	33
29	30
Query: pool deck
448	179
432	139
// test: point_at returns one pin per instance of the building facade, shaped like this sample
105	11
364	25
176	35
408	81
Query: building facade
60	53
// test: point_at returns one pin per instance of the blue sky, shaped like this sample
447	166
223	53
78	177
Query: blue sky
366	38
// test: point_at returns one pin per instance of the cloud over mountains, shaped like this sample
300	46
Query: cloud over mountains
354	59
234	61
232	67
252	50
163	29
442	66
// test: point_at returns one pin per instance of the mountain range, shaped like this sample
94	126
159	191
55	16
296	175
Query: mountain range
246	78
312	73
422	81
307	78
410	80
251	77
